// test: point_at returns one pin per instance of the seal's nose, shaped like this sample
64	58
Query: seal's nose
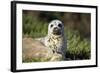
56	29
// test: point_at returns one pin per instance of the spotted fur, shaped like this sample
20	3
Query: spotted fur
57	43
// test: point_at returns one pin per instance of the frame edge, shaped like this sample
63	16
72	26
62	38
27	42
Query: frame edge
13	36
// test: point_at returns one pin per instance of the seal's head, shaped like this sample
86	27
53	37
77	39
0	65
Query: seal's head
56	28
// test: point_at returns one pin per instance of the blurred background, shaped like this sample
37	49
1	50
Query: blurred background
77	28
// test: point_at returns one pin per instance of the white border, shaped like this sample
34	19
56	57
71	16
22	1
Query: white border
35	65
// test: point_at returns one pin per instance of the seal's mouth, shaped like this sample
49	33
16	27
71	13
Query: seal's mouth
56	31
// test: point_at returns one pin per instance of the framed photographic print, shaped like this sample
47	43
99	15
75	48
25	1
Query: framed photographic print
47	36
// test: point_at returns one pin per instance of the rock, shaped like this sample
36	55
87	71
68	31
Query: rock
34	50
56	57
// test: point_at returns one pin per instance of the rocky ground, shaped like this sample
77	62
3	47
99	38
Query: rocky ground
35	51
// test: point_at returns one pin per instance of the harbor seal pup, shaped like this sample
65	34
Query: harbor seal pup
55	39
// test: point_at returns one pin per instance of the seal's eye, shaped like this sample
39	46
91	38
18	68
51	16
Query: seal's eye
59	25
51	26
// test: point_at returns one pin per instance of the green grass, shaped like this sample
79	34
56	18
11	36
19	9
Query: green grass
77	47
33	27
36	60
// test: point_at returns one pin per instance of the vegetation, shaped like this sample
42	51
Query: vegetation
36	60
77	48
34	28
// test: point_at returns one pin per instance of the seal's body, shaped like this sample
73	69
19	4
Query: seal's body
55	40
